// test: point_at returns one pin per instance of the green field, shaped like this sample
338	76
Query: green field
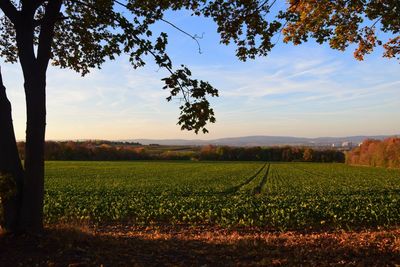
229	194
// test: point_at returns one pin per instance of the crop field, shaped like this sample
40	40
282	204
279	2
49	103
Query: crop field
228	194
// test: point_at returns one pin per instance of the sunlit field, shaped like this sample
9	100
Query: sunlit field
277	196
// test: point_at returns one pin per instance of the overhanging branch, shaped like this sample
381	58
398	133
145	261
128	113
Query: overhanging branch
9	10
194	37
121	22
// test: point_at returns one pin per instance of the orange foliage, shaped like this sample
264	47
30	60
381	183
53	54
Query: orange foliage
376	153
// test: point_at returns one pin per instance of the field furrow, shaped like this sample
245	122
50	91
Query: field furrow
273	196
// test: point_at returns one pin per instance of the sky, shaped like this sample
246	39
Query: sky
305	91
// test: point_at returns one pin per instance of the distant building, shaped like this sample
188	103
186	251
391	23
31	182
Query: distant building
336	145
347	144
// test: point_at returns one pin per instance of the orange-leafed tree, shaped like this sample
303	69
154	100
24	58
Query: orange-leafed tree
376	153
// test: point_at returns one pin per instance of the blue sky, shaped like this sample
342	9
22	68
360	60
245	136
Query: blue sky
307	90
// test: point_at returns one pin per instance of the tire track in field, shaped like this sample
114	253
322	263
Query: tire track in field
257	189
230	190
236	188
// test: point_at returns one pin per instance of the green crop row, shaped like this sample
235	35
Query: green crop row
289	196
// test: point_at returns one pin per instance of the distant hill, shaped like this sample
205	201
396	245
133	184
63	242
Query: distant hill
262	141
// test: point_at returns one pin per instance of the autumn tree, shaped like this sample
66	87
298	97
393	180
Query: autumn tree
385	153
83	34
308	154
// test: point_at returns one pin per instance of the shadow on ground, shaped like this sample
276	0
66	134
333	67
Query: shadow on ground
116	246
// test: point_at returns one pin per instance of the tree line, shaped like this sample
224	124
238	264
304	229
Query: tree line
285	153
376	153
95	150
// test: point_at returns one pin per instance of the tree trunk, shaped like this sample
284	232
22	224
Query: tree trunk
10	162
34	66
33	190
31	216
24	212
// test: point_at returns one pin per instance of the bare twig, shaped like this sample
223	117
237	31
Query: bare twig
194	37
376	21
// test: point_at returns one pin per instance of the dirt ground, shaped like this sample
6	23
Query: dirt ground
120	245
